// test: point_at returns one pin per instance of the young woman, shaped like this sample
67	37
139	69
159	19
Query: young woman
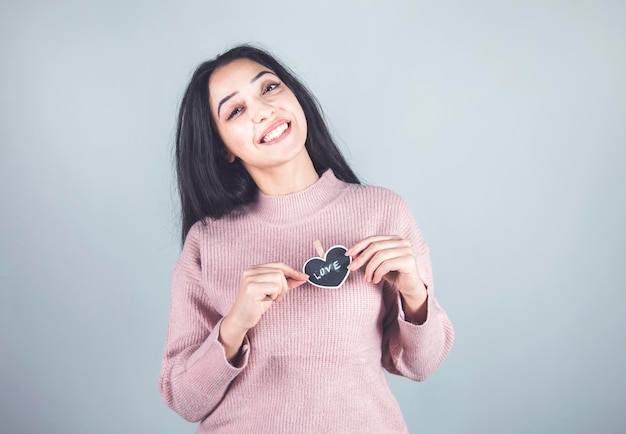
252	345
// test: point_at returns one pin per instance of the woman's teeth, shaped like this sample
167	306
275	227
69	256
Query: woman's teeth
275	133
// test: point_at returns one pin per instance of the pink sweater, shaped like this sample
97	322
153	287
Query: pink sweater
314	363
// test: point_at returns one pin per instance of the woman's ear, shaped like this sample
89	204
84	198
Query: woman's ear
228	156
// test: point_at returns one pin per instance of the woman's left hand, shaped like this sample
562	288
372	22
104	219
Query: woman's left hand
389	257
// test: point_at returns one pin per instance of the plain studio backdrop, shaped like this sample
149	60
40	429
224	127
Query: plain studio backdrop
503	124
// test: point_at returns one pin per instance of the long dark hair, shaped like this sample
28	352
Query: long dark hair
210	186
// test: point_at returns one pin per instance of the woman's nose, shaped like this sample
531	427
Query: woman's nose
262	111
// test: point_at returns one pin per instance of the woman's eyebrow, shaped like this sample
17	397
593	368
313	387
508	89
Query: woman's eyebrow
261	74
227	97
223	100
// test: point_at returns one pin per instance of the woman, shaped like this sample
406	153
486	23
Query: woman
252	346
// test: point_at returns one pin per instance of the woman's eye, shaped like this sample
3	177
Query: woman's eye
270	87
234	112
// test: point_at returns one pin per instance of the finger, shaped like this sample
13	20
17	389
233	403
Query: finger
282	271
294	283
364	243
277	272
400	264
291	284
366	255
288	271
291	277
265	279
381	258
260	290
378	244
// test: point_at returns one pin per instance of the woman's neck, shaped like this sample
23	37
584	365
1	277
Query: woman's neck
286	178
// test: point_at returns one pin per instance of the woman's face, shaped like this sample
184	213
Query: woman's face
257	116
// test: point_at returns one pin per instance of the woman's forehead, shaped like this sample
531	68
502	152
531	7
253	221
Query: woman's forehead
239	72
235	76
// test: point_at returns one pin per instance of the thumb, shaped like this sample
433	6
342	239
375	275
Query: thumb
294	283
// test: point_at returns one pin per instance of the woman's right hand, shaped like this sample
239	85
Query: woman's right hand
260	286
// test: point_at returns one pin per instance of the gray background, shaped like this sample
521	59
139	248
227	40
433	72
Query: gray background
503	124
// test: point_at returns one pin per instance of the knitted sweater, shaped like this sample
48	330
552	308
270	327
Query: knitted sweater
314	362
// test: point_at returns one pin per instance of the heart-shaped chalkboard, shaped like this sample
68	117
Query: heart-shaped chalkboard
331	271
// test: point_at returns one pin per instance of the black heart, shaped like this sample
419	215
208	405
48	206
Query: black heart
331	271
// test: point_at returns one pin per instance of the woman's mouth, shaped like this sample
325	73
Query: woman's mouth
276	133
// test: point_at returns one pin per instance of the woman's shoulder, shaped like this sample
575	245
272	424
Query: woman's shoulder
376	194
208	225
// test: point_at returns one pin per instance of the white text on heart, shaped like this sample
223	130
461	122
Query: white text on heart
327	269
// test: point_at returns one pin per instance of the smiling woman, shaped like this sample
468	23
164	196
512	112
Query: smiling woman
261	123
211	182
253	346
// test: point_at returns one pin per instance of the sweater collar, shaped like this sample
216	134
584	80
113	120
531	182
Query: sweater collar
294	207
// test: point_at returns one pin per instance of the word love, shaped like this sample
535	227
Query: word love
325	270
330	272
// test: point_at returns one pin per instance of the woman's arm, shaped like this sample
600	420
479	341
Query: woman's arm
195	373
204	352
417	334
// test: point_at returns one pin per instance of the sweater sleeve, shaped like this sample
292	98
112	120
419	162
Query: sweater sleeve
411	350
195	373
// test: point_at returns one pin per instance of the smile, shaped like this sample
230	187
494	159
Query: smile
275	133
